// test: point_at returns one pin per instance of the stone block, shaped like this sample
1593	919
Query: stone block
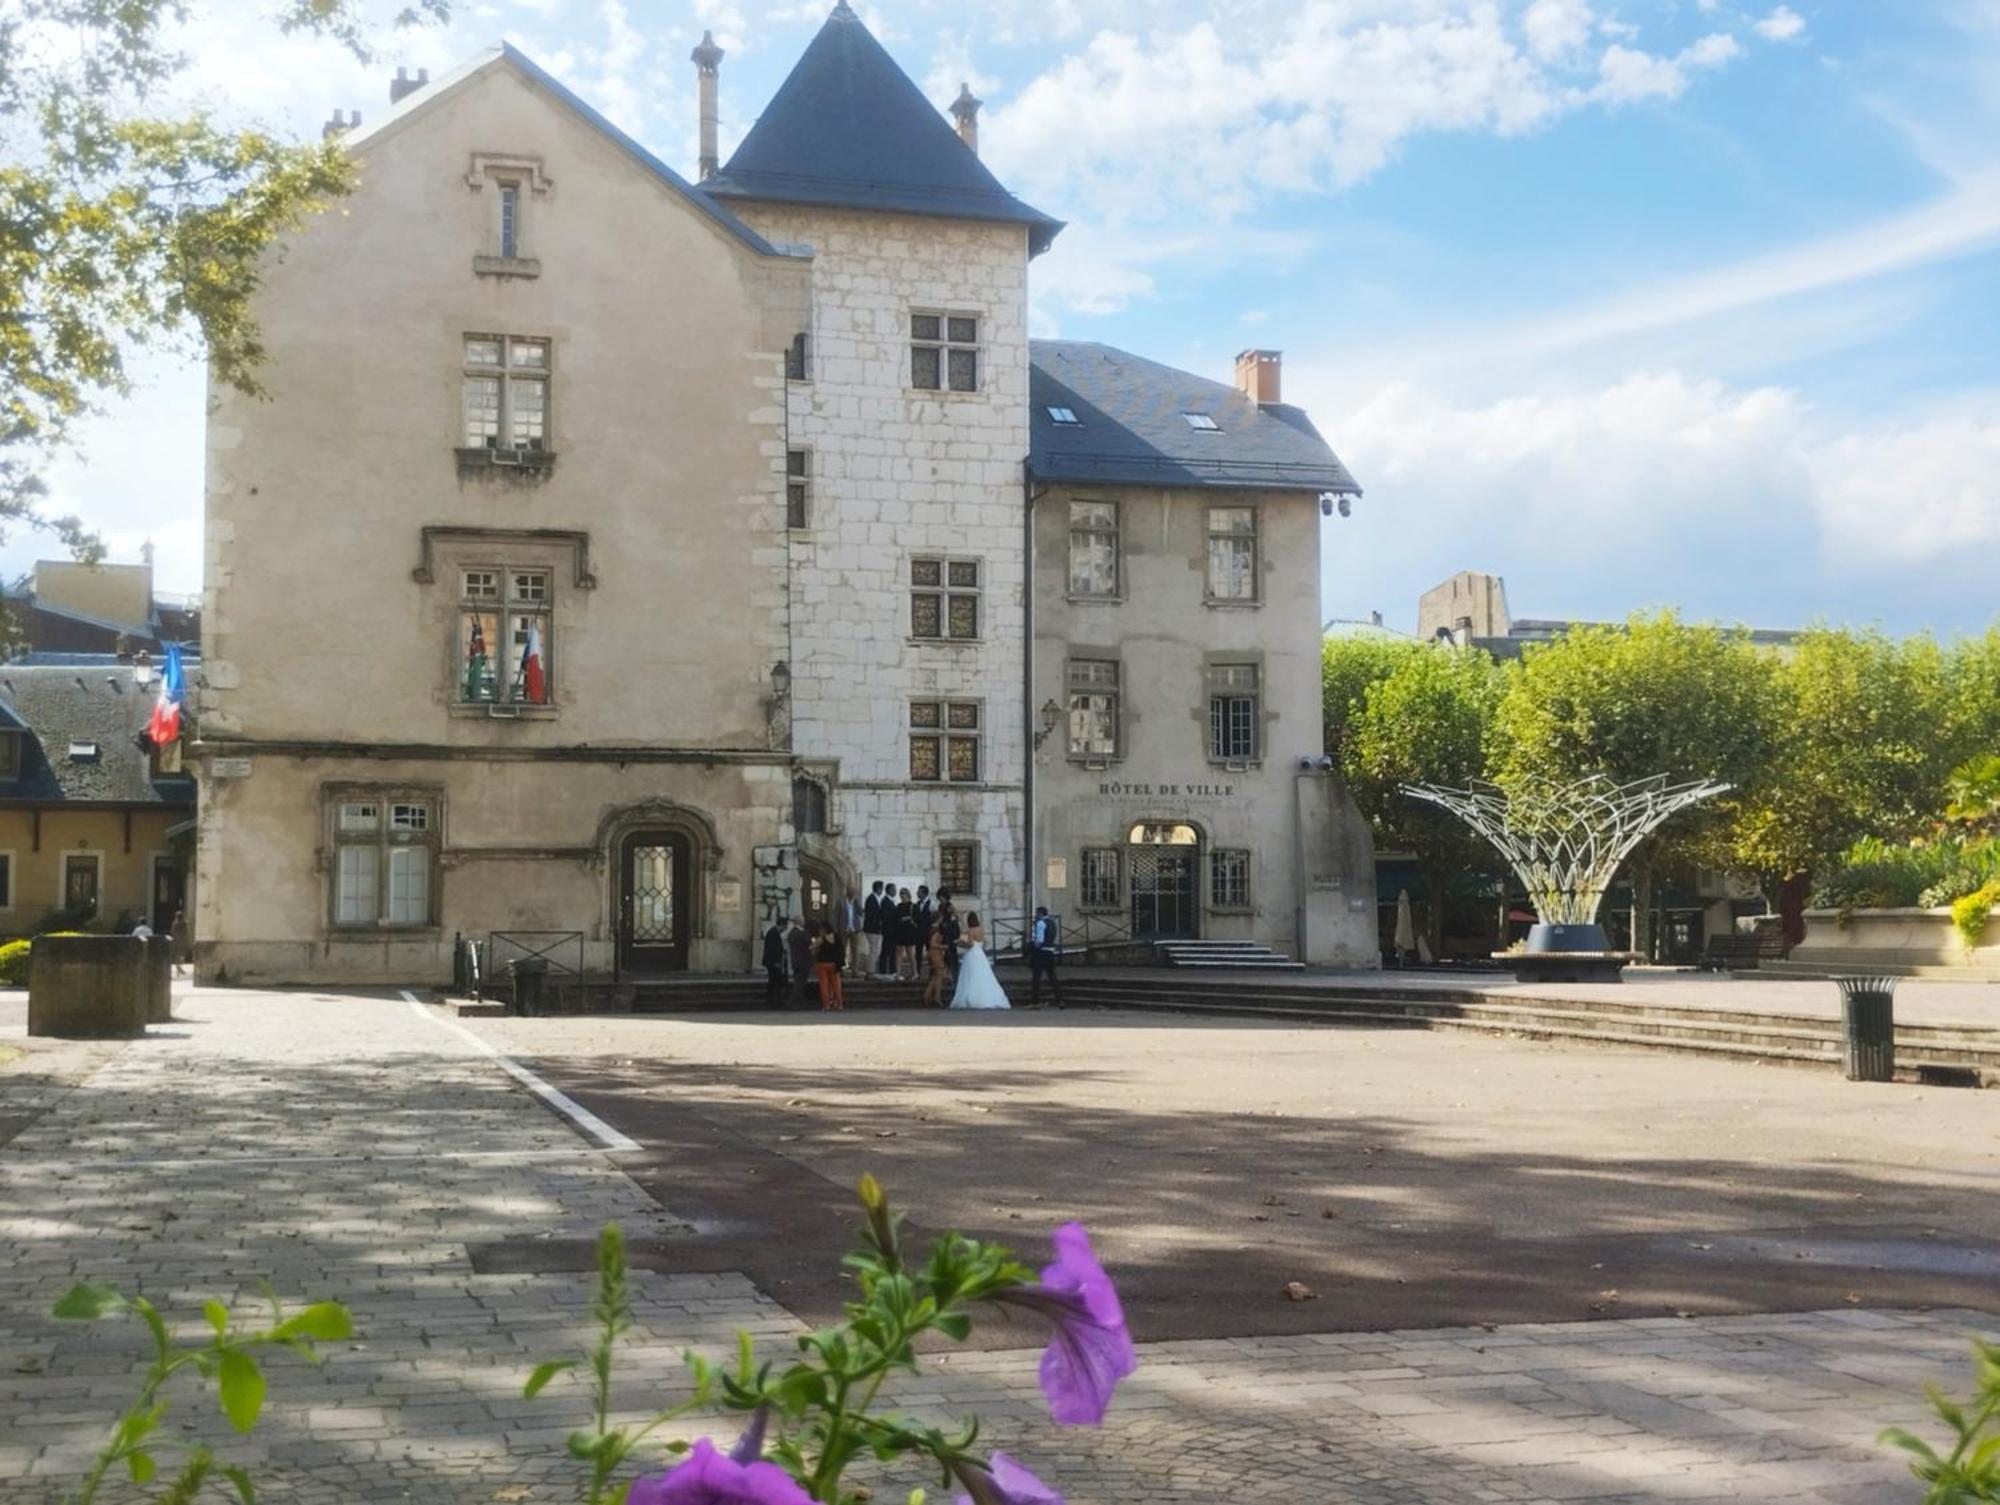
159	979
88	985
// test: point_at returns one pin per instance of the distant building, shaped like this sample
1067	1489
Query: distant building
91	826
68	607
1470	609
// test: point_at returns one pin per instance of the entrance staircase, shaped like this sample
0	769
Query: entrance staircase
1235	956
1966	1056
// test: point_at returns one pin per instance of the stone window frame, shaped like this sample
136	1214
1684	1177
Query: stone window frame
944	725
1091	895
798	488
946	340
515	180
1242	893
960	578
502	450
383	838
1214	535
1080	685
508	598
1116	533
967	847
1221	683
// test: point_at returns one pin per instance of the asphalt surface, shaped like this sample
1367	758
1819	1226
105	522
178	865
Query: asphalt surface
1390	1179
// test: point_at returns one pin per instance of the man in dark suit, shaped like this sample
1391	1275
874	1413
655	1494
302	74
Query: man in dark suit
872	928
926	917
774	966
1043	949
799	951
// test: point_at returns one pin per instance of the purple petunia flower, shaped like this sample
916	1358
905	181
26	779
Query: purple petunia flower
1005	1482
1091	1349
706	1477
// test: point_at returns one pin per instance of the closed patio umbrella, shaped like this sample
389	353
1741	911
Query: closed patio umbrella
1406	926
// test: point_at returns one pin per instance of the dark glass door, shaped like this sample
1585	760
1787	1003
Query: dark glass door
169	894
653	913
1164	894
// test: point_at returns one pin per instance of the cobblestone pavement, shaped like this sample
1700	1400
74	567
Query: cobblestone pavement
354	1148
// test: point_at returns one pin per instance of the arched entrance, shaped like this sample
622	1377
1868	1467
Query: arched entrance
655	901
1166	881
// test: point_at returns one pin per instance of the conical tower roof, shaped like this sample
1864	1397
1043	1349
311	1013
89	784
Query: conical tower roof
848	128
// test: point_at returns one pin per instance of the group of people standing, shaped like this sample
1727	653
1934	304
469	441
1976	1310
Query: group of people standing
894	935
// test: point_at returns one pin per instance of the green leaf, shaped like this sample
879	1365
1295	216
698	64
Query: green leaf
87	1302
954	1325
322	1322
154	1324
141	1466
544	1372
241	1388
237	1475
218	1316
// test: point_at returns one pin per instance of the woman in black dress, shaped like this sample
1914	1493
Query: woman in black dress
906	937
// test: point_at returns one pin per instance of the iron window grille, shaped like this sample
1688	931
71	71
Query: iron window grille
1229	878
944	599
1103	871
944	741
944	352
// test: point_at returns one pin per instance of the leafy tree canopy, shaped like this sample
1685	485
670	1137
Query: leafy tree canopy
1348	666
128	222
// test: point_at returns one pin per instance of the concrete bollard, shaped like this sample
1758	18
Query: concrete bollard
159	979
88	985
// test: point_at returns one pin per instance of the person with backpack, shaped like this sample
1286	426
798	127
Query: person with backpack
1043	950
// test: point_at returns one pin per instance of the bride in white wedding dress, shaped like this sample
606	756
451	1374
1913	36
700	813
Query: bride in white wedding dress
977	987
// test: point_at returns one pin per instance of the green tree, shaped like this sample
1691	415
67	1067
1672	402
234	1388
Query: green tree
1870	732
1656	696
1347	667
1427	721
126	222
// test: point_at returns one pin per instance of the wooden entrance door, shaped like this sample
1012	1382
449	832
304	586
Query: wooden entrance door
655	905
82	882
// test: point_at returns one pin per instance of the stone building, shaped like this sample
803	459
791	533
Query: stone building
1176	627
617	556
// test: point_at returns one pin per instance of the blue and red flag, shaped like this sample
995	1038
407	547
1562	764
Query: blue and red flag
165	725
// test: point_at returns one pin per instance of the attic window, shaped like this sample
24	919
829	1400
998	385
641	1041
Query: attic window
1063	415
1201	422
82	752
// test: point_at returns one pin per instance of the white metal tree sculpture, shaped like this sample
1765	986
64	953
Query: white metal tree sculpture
1567	840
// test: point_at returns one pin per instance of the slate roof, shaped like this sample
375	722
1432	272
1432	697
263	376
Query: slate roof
848	128
1130	429
96	704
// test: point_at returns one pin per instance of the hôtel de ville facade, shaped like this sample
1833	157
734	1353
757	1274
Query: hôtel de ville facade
639	556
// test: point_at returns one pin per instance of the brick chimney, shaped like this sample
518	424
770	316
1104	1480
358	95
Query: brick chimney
707	59
1257	374
350	120
965	110
403	84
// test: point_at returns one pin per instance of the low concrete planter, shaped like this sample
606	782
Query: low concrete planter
1862	939
89	985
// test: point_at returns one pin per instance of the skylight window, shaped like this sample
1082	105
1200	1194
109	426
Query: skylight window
81	751
1063	415
1201	422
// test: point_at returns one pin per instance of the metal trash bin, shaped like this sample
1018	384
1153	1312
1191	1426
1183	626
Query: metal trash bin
1868	1028
530	974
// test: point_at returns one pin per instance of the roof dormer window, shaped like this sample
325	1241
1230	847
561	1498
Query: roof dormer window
82	751
1064	416
1201	423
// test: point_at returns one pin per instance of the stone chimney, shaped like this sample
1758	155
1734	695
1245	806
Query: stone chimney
965	110
707	59
339	123
146	553
403	84
1257	375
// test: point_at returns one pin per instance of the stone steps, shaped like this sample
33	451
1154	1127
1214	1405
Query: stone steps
1239	956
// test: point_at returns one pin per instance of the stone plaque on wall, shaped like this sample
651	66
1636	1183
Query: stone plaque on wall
729	896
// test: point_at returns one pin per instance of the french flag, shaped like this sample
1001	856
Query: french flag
165	725
534	680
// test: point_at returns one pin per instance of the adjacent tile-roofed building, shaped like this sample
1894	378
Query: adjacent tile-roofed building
66	712
1102	414
848	128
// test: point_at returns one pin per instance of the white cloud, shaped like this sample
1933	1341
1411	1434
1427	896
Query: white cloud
1915	495
1556	28
1627	75
1783	25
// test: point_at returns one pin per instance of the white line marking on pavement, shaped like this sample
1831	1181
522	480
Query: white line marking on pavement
574	1111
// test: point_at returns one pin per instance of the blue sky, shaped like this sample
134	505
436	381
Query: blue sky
1670	302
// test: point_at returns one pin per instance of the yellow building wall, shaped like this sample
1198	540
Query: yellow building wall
125	884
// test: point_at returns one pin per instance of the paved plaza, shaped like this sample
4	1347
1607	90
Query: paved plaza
362	1148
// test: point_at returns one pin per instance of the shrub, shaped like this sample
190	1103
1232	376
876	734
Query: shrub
14	963
1968	914
1877	874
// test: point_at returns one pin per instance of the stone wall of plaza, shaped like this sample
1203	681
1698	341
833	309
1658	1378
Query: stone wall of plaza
343	519
1165	635
899	474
